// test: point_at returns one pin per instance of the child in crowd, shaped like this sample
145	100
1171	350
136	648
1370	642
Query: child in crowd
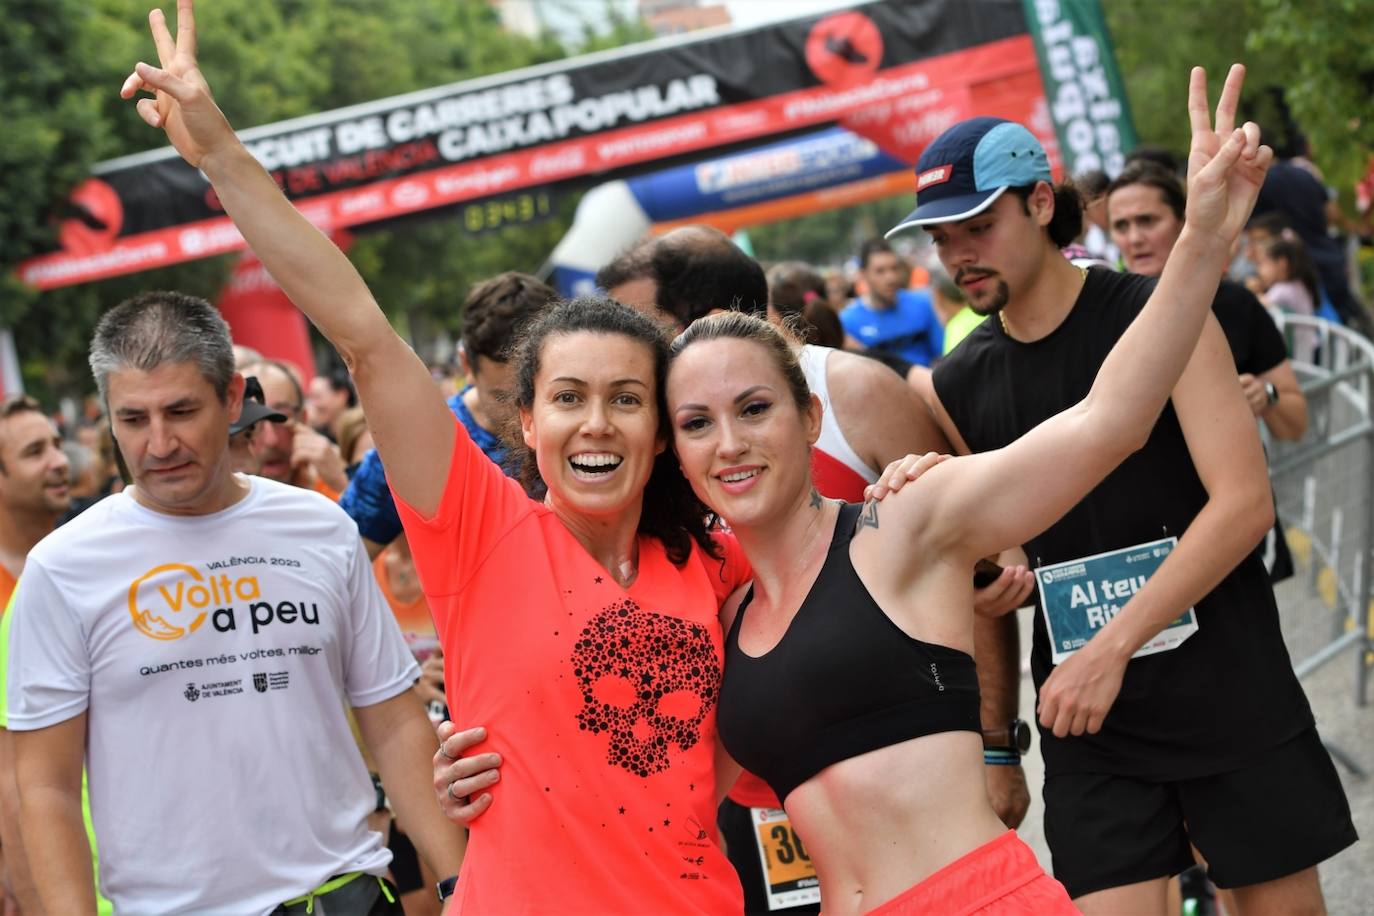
1287	282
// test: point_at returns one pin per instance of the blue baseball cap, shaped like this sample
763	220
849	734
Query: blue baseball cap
969	166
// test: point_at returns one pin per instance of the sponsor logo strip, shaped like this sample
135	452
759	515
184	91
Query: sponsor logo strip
497	174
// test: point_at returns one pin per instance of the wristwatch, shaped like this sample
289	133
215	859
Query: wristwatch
1014	736
1271	393
446	887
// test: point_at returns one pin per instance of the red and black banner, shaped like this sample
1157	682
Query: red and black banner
897	71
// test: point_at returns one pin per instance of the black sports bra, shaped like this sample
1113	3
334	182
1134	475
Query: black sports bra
844	680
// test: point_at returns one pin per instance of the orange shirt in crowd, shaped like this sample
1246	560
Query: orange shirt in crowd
7	583
600	700
324	489
412	616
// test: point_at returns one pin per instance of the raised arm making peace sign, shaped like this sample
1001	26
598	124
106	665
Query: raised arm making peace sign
410	423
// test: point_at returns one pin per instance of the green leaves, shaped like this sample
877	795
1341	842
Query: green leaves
1327	50
267	60
1317	58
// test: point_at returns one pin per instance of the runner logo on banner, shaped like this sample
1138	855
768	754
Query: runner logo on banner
1079	597
789	878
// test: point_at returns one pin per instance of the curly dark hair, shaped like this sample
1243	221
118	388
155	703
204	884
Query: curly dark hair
671	512
496	309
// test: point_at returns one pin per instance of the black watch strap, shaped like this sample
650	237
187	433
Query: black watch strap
447	886
1014	736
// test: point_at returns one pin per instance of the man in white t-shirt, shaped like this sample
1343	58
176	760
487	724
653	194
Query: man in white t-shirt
195	639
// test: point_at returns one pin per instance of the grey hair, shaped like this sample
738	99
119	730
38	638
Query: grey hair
155	328
79	458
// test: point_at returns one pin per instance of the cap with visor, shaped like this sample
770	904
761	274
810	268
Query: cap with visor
254	410
969	166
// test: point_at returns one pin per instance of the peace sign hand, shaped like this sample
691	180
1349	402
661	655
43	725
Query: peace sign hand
1226	166
182	105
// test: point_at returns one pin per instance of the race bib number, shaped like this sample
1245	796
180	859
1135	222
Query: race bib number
789	878
1079	597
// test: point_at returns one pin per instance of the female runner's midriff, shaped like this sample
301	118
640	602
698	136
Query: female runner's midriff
879	823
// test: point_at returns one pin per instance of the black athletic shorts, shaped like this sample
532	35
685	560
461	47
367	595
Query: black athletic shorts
405	862
737	830
1282	813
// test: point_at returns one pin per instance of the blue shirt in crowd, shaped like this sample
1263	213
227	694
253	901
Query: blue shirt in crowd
368	499
910	329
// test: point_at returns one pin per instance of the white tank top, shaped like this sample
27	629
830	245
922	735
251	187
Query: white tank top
832	442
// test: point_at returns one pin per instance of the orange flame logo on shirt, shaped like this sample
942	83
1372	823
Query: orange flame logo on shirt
187	597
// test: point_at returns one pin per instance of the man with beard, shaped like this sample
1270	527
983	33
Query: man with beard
222	622
33	496
1179	696
889	318
292	452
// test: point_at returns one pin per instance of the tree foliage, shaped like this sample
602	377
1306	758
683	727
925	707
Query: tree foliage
266	60
1310	70
51	130
1328	76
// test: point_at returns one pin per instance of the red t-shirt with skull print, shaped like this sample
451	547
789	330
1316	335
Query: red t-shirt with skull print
600	700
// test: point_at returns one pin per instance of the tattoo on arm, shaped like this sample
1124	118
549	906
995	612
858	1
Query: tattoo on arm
868	518
815	498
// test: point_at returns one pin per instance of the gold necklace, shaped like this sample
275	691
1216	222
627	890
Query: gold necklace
1083	278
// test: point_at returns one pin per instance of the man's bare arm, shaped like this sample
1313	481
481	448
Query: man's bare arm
1225	448
881	415
402	742
1286	417
48	766
374	550
16	859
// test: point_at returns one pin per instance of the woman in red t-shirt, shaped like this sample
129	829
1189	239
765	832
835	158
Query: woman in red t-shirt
584	629
584	626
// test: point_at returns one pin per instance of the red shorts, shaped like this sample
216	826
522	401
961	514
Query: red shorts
1000	877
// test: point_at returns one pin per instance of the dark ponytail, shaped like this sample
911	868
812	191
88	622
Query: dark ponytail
1067	222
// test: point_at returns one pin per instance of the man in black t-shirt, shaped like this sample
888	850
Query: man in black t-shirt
1145	206
1167	700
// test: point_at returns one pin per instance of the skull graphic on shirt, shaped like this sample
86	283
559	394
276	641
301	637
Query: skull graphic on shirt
648	681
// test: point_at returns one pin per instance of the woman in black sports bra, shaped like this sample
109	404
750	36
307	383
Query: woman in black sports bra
848	681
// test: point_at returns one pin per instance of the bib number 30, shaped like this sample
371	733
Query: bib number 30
789	878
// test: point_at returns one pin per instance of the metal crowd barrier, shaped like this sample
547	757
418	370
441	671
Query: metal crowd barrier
1324	487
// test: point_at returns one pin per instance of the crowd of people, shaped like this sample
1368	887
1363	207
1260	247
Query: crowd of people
714	573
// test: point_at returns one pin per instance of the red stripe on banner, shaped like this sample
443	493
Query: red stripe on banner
898	87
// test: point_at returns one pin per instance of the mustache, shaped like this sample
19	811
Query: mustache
163	464
975	273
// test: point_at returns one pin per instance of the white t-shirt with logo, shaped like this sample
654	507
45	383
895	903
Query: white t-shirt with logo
214	656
